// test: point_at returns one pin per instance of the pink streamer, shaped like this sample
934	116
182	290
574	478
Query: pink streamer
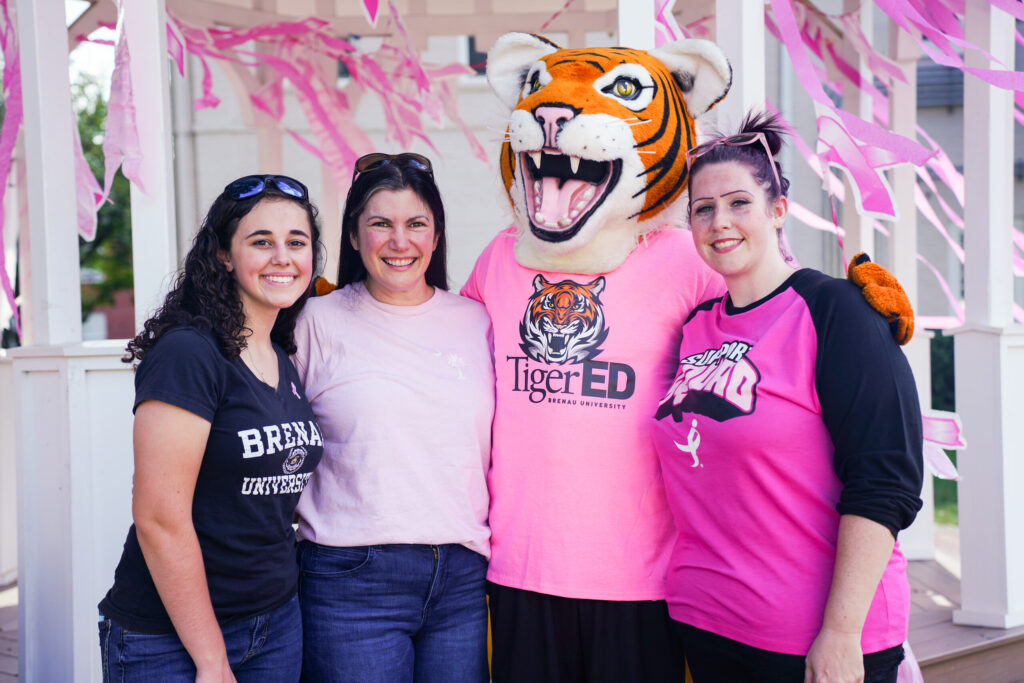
859	159
926	210
13	117
666	28
944	430
909	671
943	167
813	220
878	64
407	89
176	47
954	303
121	145
371	9
544	26
871	190
88	194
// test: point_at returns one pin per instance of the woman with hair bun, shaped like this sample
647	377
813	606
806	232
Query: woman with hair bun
790	444
224	443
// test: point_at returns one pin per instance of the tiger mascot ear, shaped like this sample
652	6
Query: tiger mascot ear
595	155
508	61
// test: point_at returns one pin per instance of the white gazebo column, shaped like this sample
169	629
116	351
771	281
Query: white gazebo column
742	40
154	243
55	519
14	201
917	542
636	24
989	349
860	233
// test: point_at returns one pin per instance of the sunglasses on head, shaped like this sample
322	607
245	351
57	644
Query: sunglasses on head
253	185
737	140
368	162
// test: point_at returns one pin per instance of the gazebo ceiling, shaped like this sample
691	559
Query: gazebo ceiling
484	19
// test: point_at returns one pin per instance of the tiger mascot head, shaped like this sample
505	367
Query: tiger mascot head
595	154
564	322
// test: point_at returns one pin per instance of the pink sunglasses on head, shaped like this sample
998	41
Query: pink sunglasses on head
737	140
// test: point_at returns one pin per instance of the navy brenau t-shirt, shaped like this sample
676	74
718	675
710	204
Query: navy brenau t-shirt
263	447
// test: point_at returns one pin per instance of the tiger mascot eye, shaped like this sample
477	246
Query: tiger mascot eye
595	154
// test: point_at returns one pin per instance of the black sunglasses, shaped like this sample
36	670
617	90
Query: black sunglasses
368	162
252	185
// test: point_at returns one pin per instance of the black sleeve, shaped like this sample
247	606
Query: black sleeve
870	406
184	369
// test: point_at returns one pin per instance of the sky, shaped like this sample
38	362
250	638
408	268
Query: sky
88	58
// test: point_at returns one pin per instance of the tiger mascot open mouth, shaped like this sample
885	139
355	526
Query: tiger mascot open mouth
596	149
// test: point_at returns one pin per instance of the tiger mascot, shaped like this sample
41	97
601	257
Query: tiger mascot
587	295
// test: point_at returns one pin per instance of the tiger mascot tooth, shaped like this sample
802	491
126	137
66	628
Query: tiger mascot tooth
597	142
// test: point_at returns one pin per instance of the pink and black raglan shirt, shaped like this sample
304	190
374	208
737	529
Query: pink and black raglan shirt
784	415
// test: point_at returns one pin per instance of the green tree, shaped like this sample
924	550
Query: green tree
110	253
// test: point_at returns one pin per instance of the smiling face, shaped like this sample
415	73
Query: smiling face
736	229
395	240
271	258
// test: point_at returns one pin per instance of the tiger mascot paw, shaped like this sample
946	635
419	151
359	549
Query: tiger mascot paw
595	154
885	294
323	286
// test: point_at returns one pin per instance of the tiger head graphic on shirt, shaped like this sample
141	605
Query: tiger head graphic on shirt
595	153
563	322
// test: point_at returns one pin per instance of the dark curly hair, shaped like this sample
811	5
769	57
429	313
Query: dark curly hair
394	177
205	293
752	155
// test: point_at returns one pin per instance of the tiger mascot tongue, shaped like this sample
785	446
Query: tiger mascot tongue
597	142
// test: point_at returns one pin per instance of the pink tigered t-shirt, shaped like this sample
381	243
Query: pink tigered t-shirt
577	503
783	415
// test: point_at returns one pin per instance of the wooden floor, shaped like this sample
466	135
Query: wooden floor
949	653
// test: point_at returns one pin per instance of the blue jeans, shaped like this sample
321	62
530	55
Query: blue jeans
266	648
393	613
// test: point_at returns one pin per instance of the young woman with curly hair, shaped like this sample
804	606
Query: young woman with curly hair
224	443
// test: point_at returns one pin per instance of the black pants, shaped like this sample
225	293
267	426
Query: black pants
541	638
713	659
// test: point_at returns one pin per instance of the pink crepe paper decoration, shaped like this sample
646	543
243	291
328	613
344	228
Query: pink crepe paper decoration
88	194
121	139
666	28
862	164
176	47
544	26
407	88
942	431
699	28
13	117
953	301
371	8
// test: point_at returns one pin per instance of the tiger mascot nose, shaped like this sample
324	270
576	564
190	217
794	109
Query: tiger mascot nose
551	118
